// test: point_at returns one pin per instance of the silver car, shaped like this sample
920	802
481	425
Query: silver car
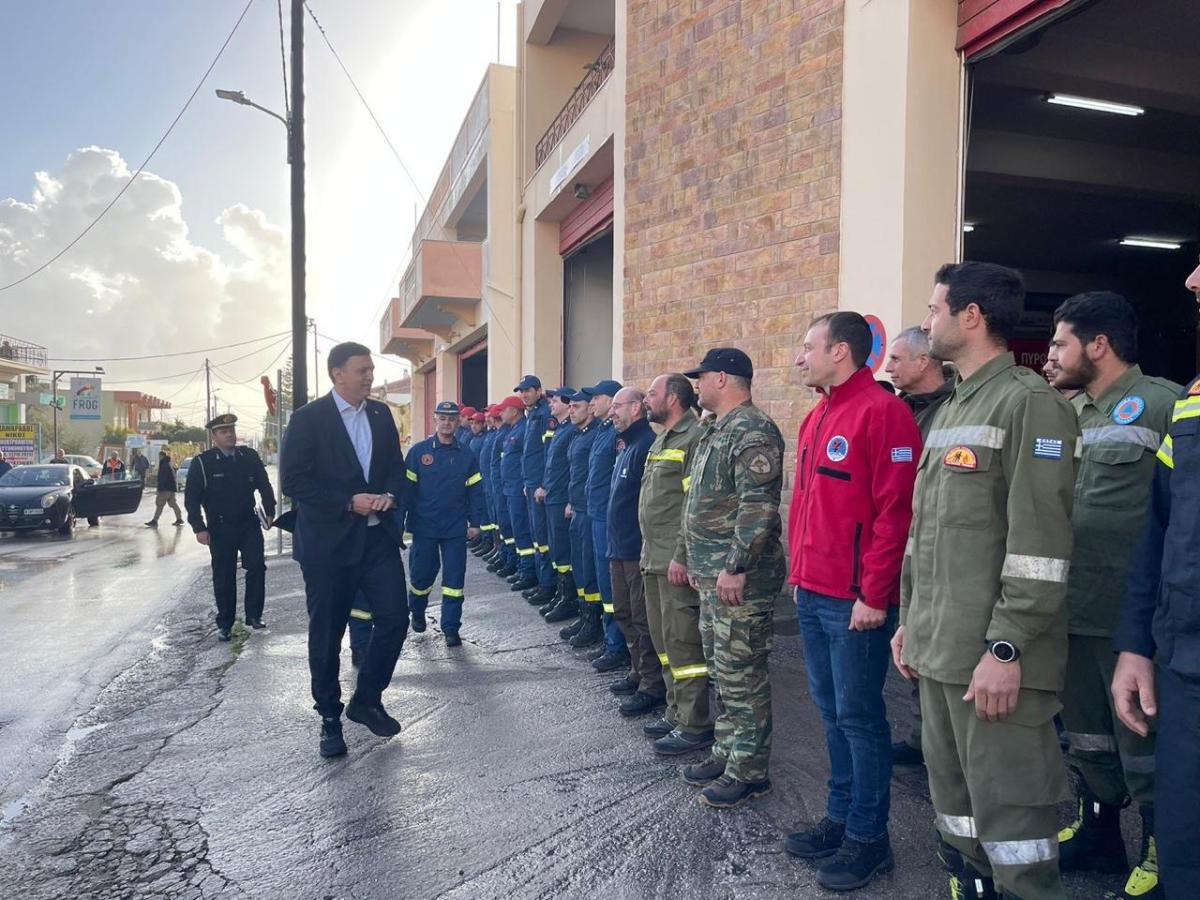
181	474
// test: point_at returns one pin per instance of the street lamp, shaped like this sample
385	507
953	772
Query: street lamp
99	370
294	123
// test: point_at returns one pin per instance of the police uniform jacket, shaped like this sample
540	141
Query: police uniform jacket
221	488
600	467
511	451
1162	613
1122	430
533	454
558	466
664	481
578	456
445	493
624	533
990	542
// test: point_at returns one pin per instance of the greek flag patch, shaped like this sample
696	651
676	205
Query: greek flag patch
902	454
1047	448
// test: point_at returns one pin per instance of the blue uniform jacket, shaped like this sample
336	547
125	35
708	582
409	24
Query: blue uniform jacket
463	433
445	492
624	533
600	467
498	445
533	460
578	455
511	453
558	466
1162	612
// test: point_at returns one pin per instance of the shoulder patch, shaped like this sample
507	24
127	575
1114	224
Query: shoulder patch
1128	410
761	463
1047	448
961	457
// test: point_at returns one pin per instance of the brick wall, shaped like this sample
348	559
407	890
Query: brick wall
732	169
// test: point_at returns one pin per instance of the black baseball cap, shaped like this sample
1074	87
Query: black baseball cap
729	360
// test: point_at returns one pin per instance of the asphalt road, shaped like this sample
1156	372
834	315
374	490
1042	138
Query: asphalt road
174	766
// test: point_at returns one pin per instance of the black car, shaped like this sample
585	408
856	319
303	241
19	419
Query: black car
51	497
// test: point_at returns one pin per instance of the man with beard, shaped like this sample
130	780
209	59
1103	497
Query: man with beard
1124	415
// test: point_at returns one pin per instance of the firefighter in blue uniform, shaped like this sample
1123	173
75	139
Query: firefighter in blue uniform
587	629
512	473
553	495
505	565
463	432
475	442
444	509
491	552
533	467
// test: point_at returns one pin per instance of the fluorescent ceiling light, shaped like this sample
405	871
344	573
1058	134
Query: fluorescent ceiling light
1121	109
968	227
1149	242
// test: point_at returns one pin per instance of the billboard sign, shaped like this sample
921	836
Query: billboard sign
19	443
85	398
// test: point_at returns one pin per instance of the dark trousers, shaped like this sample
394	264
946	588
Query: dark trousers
426	556
1177	783
360	623
614	641
846	670
504	528
629	610
558	528
330	592
226	541
541	542
518	511
583	561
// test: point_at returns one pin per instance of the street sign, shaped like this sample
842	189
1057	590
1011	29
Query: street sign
33	398
85	398
19	443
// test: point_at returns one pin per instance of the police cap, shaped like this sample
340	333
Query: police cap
225	420
729	360
446	408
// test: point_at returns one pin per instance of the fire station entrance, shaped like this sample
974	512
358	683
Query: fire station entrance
588	312
1083	166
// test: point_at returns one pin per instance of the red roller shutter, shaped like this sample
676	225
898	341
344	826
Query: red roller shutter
984	23
590	218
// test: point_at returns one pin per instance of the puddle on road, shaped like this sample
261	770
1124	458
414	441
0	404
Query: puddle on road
71	739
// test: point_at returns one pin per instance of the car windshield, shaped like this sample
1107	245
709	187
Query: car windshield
37	476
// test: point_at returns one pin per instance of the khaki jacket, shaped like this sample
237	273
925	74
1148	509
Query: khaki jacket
660	503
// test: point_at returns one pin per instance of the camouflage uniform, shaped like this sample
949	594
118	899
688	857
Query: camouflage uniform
731	522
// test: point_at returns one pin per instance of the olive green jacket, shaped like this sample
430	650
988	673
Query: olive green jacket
990	544
660	503
1122	430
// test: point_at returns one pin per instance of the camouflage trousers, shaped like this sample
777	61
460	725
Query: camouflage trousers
737	641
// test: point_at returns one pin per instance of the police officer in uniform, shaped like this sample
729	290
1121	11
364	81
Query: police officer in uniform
586	630
533	470
219	499
983	594
553	494
1124	415
445	510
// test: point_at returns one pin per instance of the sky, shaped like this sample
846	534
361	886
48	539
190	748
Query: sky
195	255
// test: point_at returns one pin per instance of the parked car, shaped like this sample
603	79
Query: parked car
87	463
181	474
51	497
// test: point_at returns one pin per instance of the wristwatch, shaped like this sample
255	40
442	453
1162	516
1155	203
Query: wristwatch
390	496
1004	651
735	563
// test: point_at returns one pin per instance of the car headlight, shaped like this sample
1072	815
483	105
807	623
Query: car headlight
49	500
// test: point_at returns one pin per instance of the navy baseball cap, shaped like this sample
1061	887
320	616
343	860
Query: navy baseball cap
562	393
447	408
607	387
729	360
529	381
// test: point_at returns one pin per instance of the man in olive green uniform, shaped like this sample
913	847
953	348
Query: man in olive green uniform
729	544
1124	415
672	607
983	594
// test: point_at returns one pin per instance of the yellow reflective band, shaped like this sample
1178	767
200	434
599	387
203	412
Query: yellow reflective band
528	551
687	483
562	570
1188	408
662	659
669	456
510	540
608	607
1166	453
542	548
407	536
682	673
474	479
412	476
546	435
420	592
579	593
452	592
592	598
361	614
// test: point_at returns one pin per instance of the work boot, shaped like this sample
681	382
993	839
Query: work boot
565	608
726	792
679	742
905	754
418	622
569	631
508	570
223	634
495	563
1143	880
610	662
543	595
640	704
966	882
1093	841
374	716
817	842
625	687
452	639
702	773
658	728
591	631
524	583
593	655
855	864
332	742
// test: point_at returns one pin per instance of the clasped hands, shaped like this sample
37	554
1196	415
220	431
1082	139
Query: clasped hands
366	504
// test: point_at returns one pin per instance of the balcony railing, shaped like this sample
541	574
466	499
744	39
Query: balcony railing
597	74
22	351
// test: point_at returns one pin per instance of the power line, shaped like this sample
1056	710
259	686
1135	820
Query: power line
189	371
145	162
166	355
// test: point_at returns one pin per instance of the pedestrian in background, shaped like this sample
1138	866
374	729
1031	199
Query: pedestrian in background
114	469
165	490
141	465
847	527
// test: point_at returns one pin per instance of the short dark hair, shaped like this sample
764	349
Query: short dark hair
1102	313
340	353
680	386
848	328
998	291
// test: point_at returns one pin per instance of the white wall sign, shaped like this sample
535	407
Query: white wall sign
578	155
85	398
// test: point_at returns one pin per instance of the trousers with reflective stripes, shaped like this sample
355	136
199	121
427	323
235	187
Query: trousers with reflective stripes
425	557
1114	762
614	641
541	541
999	810
558	527
674	616
518	512
583	560
504	529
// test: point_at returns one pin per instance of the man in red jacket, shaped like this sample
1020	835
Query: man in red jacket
851	508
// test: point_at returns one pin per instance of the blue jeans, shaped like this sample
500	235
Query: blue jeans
846	670
614	641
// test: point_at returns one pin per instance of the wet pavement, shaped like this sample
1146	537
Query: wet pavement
192	771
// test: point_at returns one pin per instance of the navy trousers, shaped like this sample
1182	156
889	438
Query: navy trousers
425	557
558	527
1177	783
614	641
583	560
518	511
541	542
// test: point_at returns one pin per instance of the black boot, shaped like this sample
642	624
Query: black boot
565	608
1093	841
332	742
508	569
543	595
573	629
524	583
966	883
592	631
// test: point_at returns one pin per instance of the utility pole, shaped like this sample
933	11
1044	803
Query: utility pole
316	365
296	158
207	400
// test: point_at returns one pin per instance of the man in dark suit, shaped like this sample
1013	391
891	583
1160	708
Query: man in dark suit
342	466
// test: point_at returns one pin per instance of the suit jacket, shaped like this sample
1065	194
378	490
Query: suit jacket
319	470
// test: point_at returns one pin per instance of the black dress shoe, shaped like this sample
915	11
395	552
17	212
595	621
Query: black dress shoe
223	634
525	583
626	687
452	639
640	704
332	742
256	623
374	716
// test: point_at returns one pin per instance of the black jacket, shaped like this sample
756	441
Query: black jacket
166	476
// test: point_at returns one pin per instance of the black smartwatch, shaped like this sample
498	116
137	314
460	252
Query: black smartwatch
1004	651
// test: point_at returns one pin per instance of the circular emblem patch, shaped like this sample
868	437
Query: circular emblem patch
878	343
1128	410
427	459
838	448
